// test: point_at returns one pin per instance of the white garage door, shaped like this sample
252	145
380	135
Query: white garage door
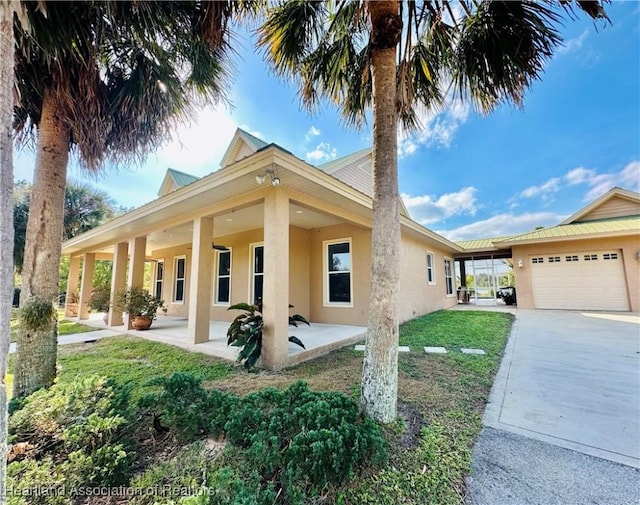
590	280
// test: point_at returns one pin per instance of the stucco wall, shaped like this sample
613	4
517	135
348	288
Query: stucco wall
628	245
417	296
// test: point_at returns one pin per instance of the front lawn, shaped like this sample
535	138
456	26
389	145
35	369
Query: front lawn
65	327
441	401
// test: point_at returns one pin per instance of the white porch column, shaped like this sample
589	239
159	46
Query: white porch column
275	291
118	281
137	251
200	281
86	285
72	285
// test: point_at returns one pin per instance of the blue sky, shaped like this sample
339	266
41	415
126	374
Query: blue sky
465	175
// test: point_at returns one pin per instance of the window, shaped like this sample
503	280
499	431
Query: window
610	256
554	259
431	274
571	258
179	277
537	260
448	276
590	257
157	287
257	272
337	261
223	278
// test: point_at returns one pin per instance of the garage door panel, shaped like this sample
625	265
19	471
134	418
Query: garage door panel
585	280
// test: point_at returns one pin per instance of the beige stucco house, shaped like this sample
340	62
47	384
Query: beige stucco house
267	226
590	261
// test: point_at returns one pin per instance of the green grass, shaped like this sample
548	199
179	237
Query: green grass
441	397
65	327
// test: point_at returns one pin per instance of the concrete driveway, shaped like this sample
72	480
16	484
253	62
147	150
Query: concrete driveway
572	379
568	380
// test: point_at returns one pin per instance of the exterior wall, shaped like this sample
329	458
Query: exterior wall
628	245
360	273
240	244
417	296
616	207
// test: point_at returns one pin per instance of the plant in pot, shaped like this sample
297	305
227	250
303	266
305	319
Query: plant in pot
141	306
100	299
246	332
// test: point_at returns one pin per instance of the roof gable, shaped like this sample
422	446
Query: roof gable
242	144
616	202
356	169
174	179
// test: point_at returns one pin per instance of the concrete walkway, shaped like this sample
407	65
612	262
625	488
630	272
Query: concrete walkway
77	338
563	420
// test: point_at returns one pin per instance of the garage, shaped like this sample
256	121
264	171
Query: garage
586	280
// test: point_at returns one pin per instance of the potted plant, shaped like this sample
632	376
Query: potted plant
141	306
100	299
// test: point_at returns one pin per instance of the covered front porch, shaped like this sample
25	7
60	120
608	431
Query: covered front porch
319	338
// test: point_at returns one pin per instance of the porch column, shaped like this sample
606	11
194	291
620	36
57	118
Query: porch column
200	281
118	282
72	286
86	285
137	251
275	292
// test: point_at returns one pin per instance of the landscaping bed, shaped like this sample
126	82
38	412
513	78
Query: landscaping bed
214	433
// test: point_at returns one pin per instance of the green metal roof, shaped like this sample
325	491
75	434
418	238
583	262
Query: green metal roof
259	143
480	243
180	178
599	227
343	161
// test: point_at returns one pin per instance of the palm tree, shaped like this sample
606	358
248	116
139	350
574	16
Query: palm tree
395	57
106	81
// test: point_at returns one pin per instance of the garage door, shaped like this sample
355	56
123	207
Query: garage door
589	280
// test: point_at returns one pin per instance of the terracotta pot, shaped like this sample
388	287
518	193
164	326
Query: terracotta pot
141	322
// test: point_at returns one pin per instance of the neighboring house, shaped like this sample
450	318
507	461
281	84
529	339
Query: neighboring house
267	226
590	261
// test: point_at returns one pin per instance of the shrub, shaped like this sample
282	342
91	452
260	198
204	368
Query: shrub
76	428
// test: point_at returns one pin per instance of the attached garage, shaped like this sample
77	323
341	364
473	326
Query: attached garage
581	280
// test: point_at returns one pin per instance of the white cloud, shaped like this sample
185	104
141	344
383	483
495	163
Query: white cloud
322	152
574	44
313	132
597	184
427	209
543	190
502	225
438	129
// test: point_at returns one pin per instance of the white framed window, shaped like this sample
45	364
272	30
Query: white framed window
256	276
431	272
179	276
448	276
338	285
222	279
158	279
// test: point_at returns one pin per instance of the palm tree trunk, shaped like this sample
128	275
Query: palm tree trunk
380	370
36	349
6	223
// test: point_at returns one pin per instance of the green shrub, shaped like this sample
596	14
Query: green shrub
77	428
185	405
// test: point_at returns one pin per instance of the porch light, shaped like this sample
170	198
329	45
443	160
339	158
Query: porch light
275	181
520	263
271	173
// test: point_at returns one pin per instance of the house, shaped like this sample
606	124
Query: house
266	226
590	261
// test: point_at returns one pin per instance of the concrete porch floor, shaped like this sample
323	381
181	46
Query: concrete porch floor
319	338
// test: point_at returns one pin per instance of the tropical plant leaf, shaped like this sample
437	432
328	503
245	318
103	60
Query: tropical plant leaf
295	340
243	306
297	318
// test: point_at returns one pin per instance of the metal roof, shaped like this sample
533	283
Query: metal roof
181	178
480	243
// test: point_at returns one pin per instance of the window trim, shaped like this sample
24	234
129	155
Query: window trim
155	278
451	276
175	280
252	247
431	269
216	278
326	273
